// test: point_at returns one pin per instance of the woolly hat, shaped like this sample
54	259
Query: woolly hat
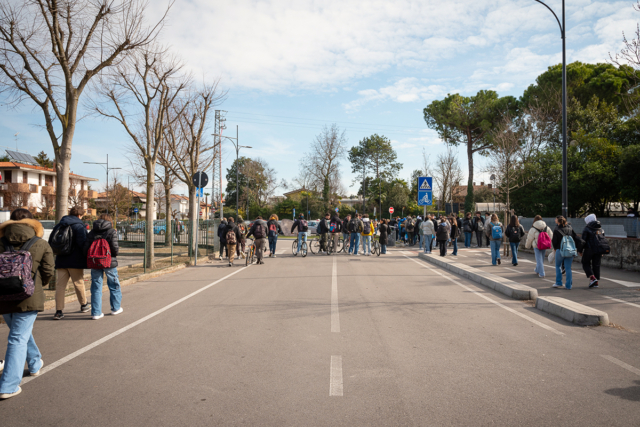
590	218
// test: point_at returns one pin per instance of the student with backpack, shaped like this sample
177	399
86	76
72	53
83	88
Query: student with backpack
274	230
335	229
21	285
242	230
595	246
231	237
478	227
222	237
101	249
539	238
355	228
303	229
67	242
410	225
259	232
384	235
494	231
367	232
428	231
455	233
442	235
565	243
514	233
345	231
467	228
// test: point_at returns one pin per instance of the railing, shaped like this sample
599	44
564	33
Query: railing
179	232
48	190
631	225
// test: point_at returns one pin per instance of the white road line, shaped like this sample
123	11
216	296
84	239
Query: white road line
103	340
515	271
485	262
622	282
524	316
622	301
335	380
621	364
335	314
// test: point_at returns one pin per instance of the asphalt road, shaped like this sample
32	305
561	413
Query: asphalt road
340	340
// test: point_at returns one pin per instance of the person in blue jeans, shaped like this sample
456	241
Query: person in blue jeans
23	232
514	233
467	228
494	241
428	230
103	229
564	229
355	227
455	233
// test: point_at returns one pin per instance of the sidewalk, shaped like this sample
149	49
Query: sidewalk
618	293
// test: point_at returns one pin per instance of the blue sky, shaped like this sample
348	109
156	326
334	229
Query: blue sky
370	66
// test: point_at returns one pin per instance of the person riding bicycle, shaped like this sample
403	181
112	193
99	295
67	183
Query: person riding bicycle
323	231
303	230
335	228
259	231
232	237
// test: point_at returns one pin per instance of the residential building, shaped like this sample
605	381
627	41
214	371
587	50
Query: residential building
138	200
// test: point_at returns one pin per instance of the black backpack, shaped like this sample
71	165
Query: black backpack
61	239
600	243
259	232
353	226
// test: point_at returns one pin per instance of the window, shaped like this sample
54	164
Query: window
25	178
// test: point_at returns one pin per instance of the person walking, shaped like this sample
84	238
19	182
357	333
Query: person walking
259	231
494	232
303	230
274	230
367	232
567	245
355	228
539	242
455	234
103	238
240	245
443	231
70	259
383	228
467	228
514	233
22	232
222	237
595	245
428	231
232	237
478	227
335	229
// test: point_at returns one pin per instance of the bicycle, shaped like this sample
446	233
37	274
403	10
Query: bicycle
251	253
376	247
303	248
314	245
344	244
331	245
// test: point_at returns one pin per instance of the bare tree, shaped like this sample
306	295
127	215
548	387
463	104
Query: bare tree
139	96
189	150
51	49
323	161
447	175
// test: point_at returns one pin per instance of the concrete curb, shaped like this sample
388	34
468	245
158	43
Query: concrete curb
505	286
572	311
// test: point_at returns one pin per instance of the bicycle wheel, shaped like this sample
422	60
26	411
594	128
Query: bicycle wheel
253	254
377	249
314	246
303	249
331	247
247	257
294	248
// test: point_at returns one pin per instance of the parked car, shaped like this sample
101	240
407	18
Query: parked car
313	226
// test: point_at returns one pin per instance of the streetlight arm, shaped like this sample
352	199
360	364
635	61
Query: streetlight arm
556	16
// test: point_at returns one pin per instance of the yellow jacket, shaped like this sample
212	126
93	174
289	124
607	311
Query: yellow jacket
364	222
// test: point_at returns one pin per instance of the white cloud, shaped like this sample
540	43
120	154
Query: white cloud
408	89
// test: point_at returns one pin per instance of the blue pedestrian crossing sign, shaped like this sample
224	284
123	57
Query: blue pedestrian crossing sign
425	191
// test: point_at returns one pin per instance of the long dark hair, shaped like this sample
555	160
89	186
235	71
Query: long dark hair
514	222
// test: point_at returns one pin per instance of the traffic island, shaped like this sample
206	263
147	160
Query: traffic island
499	284
572	311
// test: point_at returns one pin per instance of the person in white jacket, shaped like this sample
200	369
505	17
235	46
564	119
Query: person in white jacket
428	231
539	226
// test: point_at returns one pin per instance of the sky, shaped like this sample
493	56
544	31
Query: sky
292	67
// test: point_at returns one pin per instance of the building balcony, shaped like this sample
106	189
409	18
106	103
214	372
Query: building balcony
72	192
48	190
88	194
16	188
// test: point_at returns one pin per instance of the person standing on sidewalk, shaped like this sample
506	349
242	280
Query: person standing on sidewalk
514	233
259	231
595	245
442	235
383	228
539	244
428	230
455	233
71	265
103	230
335	229
232	238
467	227
22	230
222	236
478	227
567	245
367	232
494	232
274	230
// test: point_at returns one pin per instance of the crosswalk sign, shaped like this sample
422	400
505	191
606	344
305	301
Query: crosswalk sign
425	191
424	183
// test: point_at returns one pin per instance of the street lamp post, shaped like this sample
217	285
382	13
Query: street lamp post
565	190
106	166
237	146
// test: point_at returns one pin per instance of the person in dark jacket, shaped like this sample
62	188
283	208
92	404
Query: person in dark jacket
337	225
259	231
323	230
563	229
20	315
103	229
72	265
590	258
223	240
231	227
274	230
384	229
240	246
515	233
454	234
478	227
303	230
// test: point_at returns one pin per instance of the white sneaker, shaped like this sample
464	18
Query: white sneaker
10	395
274	255
1	365
115	313
557	286
98	317
35	374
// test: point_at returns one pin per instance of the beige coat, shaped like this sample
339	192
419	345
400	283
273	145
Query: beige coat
532	237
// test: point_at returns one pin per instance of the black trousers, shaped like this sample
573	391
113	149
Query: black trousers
410	233
591	264
223	248
443	247
479	238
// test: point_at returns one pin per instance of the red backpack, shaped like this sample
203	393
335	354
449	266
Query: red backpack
99	256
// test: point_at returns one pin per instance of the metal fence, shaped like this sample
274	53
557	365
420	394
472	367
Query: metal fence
178	232
631	225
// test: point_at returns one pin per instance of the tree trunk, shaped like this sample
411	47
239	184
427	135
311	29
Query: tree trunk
167	216
150	213
193	220
468	201
63	163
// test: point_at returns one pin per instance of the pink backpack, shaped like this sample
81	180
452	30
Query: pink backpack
544	242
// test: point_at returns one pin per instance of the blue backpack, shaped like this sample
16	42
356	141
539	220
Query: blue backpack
496	232
568	247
